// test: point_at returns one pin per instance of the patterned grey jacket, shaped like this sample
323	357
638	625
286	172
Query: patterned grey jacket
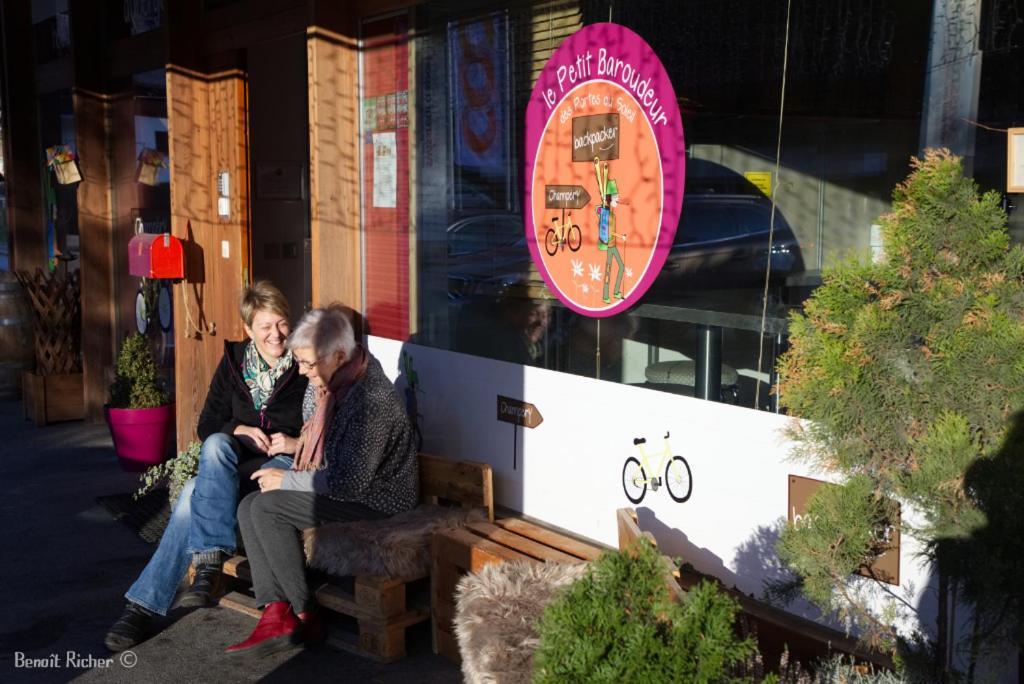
370	447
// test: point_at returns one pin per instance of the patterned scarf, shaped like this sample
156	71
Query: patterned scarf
311	443
259	376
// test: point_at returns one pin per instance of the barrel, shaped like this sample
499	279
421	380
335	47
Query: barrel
17	351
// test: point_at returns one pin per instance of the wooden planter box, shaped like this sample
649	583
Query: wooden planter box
52	398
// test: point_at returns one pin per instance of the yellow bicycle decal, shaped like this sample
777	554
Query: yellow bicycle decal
678	479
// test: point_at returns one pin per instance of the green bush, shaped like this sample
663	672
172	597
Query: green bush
843	670
177	471
908	373
135	385
834	669
618	624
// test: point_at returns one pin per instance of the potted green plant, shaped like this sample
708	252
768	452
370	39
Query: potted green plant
139	414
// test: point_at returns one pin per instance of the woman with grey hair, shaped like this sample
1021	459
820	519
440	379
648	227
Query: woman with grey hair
356	460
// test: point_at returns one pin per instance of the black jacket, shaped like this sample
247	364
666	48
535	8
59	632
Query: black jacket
229	403
370	447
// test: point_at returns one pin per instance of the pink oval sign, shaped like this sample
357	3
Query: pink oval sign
605	169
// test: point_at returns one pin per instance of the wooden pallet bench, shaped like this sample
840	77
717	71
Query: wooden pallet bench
458	551
383	607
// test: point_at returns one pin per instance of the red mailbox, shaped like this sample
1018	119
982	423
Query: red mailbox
156	256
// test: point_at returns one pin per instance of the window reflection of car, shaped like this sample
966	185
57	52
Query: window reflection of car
486	253
475	234
721	243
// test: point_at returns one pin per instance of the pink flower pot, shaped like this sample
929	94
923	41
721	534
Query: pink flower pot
140	435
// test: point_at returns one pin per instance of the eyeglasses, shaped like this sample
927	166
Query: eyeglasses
308	365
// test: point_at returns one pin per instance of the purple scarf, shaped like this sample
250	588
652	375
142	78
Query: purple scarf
311	450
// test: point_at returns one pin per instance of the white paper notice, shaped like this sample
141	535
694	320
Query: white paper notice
385	170
1017	172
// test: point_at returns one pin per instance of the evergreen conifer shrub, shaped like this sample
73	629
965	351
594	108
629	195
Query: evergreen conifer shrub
618	624
135	385
908	373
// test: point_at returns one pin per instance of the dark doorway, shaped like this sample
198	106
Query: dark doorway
279	147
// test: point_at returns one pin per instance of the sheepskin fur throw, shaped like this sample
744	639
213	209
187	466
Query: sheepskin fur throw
496	612
398	546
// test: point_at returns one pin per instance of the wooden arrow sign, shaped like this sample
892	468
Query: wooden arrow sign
518	412
565	197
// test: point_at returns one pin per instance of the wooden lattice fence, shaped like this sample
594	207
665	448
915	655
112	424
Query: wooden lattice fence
56	319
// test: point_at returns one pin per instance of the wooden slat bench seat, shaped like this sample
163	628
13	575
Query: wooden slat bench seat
456	552
383	607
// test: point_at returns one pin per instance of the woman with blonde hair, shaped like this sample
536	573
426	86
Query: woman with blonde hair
252	414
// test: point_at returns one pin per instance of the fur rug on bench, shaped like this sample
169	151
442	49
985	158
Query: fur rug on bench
497	609
398	546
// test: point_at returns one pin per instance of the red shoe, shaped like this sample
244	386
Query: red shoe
313	630
277	630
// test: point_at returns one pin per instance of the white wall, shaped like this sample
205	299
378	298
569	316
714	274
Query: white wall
568	470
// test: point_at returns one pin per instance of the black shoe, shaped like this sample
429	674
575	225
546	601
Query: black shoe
204	585
130	629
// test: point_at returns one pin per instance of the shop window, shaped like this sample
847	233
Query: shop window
57	127
125	18
451	268
480	83
389	273
51	25
145	204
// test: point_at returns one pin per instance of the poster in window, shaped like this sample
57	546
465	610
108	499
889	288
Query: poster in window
480	87
605	170
389	111
369	114
402	109
385	170
382	113
1015	160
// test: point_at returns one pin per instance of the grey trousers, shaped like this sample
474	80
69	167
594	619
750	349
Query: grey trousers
272	525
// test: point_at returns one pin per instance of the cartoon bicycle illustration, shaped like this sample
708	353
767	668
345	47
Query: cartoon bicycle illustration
563	233
677	480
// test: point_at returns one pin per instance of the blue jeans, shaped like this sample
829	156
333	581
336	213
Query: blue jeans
203	519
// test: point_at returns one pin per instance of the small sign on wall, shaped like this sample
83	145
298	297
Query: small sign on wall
1015	160
886	568
518	412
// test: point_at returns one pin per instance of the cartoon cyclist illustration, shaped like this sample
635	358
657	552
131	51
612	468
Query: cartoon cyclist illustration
607	236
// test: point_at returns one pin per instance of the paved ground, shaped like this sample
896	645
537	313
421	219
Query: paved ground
66	564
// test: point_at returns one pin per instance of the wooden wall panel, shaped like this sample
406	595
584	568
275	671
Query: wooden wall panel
207	132
334	168
96	228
